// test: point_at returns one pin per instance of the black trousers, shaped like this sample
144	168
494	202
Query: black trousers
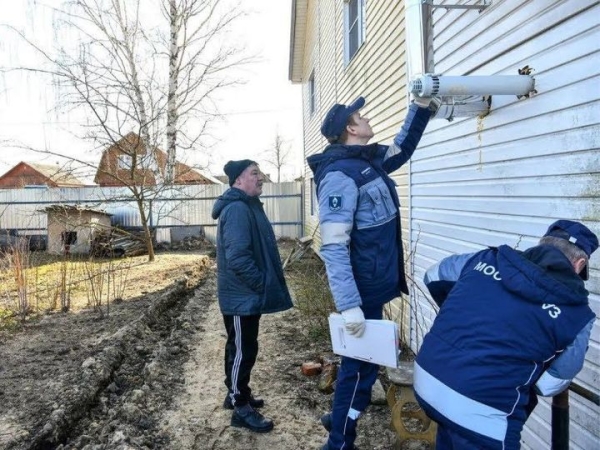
240	355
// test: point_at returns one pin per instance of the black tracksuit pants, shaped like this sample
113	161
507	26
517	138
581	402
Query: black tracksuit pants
240	355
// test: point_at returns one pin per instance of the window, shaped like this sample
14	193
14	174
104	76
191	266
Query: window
312	95
68	237
354	27
124	161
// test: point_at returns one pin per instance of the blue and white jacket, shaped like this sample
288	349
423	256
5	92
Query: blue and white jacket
513	324
359	215
250	278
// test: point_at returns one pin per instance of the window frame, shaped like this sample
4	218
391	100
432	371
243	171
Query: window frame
124	161
359	24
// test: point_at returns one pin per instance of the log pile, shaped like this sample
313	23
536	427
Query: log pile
118	243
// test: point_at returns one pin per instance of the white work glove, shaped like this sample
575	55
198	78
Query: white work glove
354	320
422	102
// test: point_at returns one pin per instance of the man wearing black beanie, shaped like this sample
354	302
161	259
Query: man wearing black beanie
250	283
233	169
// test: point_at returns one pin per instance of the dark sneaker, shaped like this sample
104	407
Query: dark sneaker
254	402
326	421
248	417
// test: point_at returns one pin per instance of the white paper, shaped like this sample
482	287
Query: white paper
378	344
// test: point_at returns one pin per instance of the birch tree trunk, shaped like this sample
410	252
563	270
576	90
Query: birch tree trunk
172	93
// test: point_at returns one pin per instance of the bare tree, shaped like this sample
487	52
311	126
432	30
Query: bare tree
278	156
128	74
196	67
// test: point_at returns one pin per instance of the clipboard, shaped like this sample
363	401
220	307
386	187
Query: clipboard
378	344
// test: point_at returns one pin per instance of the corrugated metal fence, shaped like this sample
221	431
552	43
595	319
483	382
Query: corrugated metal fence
173	212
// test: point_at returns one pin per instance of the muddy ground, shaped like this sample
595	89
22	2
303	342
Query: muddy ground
149	376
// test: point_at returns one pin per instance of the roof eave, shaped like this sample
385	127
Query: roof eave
297	38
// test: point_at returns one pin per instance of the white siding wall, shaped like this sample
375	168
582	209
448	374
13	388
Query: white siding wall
478	182
376	72
506	177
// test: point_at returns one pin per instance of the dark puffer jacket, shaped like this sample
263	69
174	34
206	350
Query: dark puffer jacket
250	276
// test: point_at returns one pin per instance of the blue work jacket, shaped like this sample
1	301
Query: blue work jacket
513	324
359	215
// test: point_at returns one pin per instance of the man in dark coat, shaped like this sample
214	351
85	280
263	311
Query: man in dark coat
512	324
250	283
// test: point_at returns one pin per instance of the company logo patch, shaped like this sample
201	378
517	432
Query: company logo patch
335	202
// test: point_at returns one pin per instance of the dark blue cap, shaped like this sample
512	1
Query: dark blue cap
575	233
234	169
578	235
336	119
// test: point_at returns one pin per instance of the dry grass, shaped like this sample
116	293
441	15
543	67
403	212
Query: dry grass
54	283
47	272
308	280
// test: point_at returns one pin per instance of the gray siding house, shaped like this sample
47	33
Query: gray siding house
487	179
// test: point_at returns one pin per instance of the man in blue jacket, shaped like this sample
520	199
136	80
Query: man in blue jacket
359	220
250	283
511	325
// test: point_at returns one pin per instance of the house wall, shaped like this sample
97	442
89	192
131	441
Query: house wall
504	178
109	164
478	182
377	72
84	223
111	174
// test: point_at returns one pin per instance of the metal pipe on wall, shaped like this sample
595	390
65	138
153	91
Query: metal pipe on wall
420	60
418	31
560	421
435	85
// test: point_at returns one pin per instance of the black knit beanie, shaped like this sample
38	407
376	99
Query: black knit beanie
233	169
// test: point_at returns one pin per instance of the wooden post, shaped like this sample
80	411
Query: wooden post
560	421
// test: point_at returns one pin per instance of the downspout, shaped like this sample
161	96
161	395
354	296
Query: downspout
418	35
292	41
419	39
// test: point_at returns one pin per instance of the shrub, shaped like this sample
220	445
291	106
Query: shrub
312	297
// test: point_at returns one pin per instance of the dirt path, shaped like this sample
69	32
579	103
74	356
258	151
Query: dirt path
150	376
197	419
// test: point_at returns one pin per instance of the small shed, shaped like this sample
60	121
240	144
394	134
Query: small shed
71	229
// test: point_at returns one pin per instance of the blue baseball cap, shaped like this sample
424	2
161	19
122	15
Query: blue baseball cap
578	235
336	119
